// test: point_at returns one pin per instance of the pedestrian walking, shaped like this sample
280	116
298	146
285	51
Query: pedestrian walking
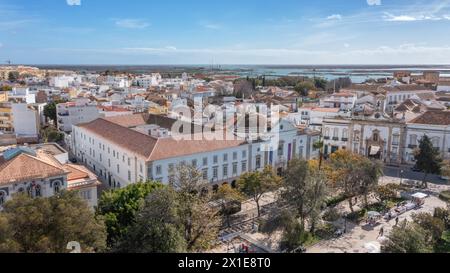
396	221
381	232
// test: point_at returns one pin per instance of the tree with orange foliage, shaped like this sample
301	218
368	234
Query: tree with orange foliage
354	174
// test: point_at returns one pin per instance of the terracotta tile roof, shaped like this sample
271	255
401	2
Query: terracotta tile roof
343	94
433	118
119	133
406	88
128	121
113	109
74	173
171	148
25	167
322	109
80	177
152	148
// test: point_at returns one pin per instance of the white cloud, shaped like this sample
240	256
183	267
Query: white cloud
373	2
346	45
211	26
132	23
412	17
73	2
334	17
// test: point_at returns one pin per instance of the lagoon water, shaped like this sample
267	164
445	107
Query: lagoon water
358	73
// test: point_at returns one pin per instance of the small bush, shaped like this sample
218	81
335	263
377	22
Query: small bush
331	215
445	196
357	216
332	202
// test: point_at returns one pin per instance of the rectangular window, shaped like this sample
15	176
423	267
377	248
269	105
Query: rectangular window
244	166
129	162
225	170
158	170
235	167
140	168
118	168
234	155
258	162
194	163
215	159
129	176
225	157
205	174
244	154
215	172
395	140
205	161
280	149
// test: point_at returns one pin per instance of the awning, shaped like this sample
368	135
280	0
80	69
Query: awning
419	195
374	150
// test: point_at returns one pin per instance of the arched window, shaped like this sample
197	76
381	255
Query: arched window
376	136
2	197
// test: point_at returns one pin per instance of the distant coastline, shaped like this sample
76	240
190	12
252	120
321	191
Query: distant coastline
358	73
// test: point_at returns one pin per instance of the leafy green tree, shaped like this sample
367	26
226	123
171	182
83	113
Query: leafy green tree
7	242
48	224
320	83
6	88
303	88
354	174
407	238
386	192
157	228
445	168
433	226
372	171
292	231
50	111
305	189
227	197
13	76
256	184
119	208
199	220
427	158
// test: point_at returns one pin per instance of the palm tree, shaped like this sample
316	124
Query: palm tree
319	145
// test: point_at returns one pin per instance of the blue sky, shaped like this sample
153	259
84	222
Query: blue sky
226	31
